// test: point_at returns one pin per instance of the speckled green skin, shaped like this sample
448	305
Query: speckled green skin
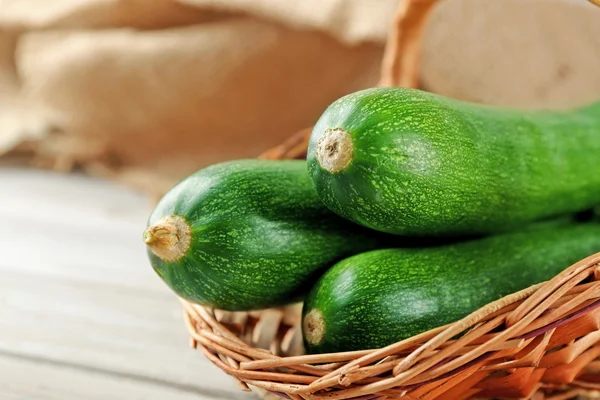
379	297
260	235
427	165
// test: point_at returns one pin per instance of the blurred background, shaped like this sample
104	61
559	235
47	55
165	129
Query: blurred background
149	91
105	104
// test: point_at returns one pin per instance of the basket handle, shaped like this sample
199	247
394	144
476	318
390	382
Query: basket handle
399	66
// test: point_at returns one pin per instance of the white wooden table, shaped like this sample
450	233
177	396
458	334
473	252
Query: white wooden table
82	314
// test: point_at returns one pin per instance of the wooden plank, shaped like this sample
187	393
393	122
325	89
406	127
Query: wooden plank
78	296
33	379
70	219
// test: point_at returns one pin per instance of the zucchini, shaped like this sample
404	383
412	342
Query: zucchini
248	234
380	297
409	162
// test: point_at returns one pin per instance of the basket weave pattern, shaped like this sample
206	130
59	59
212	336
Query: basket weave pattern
544	337
539	343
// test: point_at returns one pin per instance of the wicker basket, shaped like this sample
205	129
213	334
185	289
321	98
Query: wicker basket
540	343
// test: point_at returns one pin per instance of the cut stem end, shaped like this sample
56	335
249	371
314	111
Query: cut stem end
314	327
335	150
169	238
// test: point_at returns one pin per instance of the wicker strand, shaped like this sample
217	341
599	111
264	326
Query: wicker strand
523	321
558	280
507	333
585	264
532	354
583	300
367	359
400	65
461	326
308	359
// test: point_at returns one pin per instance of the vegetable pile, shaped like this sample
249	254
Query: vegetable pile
410	212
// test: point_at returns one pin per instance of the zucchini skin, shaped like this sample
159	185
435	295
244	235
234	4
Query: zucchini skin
380	297
423	164
260	236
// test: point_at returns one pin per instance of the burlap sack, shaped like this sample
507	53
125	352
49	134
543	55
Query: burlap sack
217	83
148	91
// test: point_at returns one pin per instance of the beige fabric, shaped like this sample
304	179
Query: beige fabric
213	83
173	101
27	15
528	54
19	121
149	91
350	21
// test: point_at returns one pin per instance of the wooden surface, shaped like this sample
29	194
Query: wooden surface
82	314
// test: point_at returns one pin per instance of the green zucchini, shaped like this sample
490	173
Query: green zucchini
248	234
380	297
409	162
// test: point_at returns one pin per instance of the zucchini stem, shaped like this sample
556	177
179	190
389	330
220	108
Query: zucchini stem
335	150
169	238
314	327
